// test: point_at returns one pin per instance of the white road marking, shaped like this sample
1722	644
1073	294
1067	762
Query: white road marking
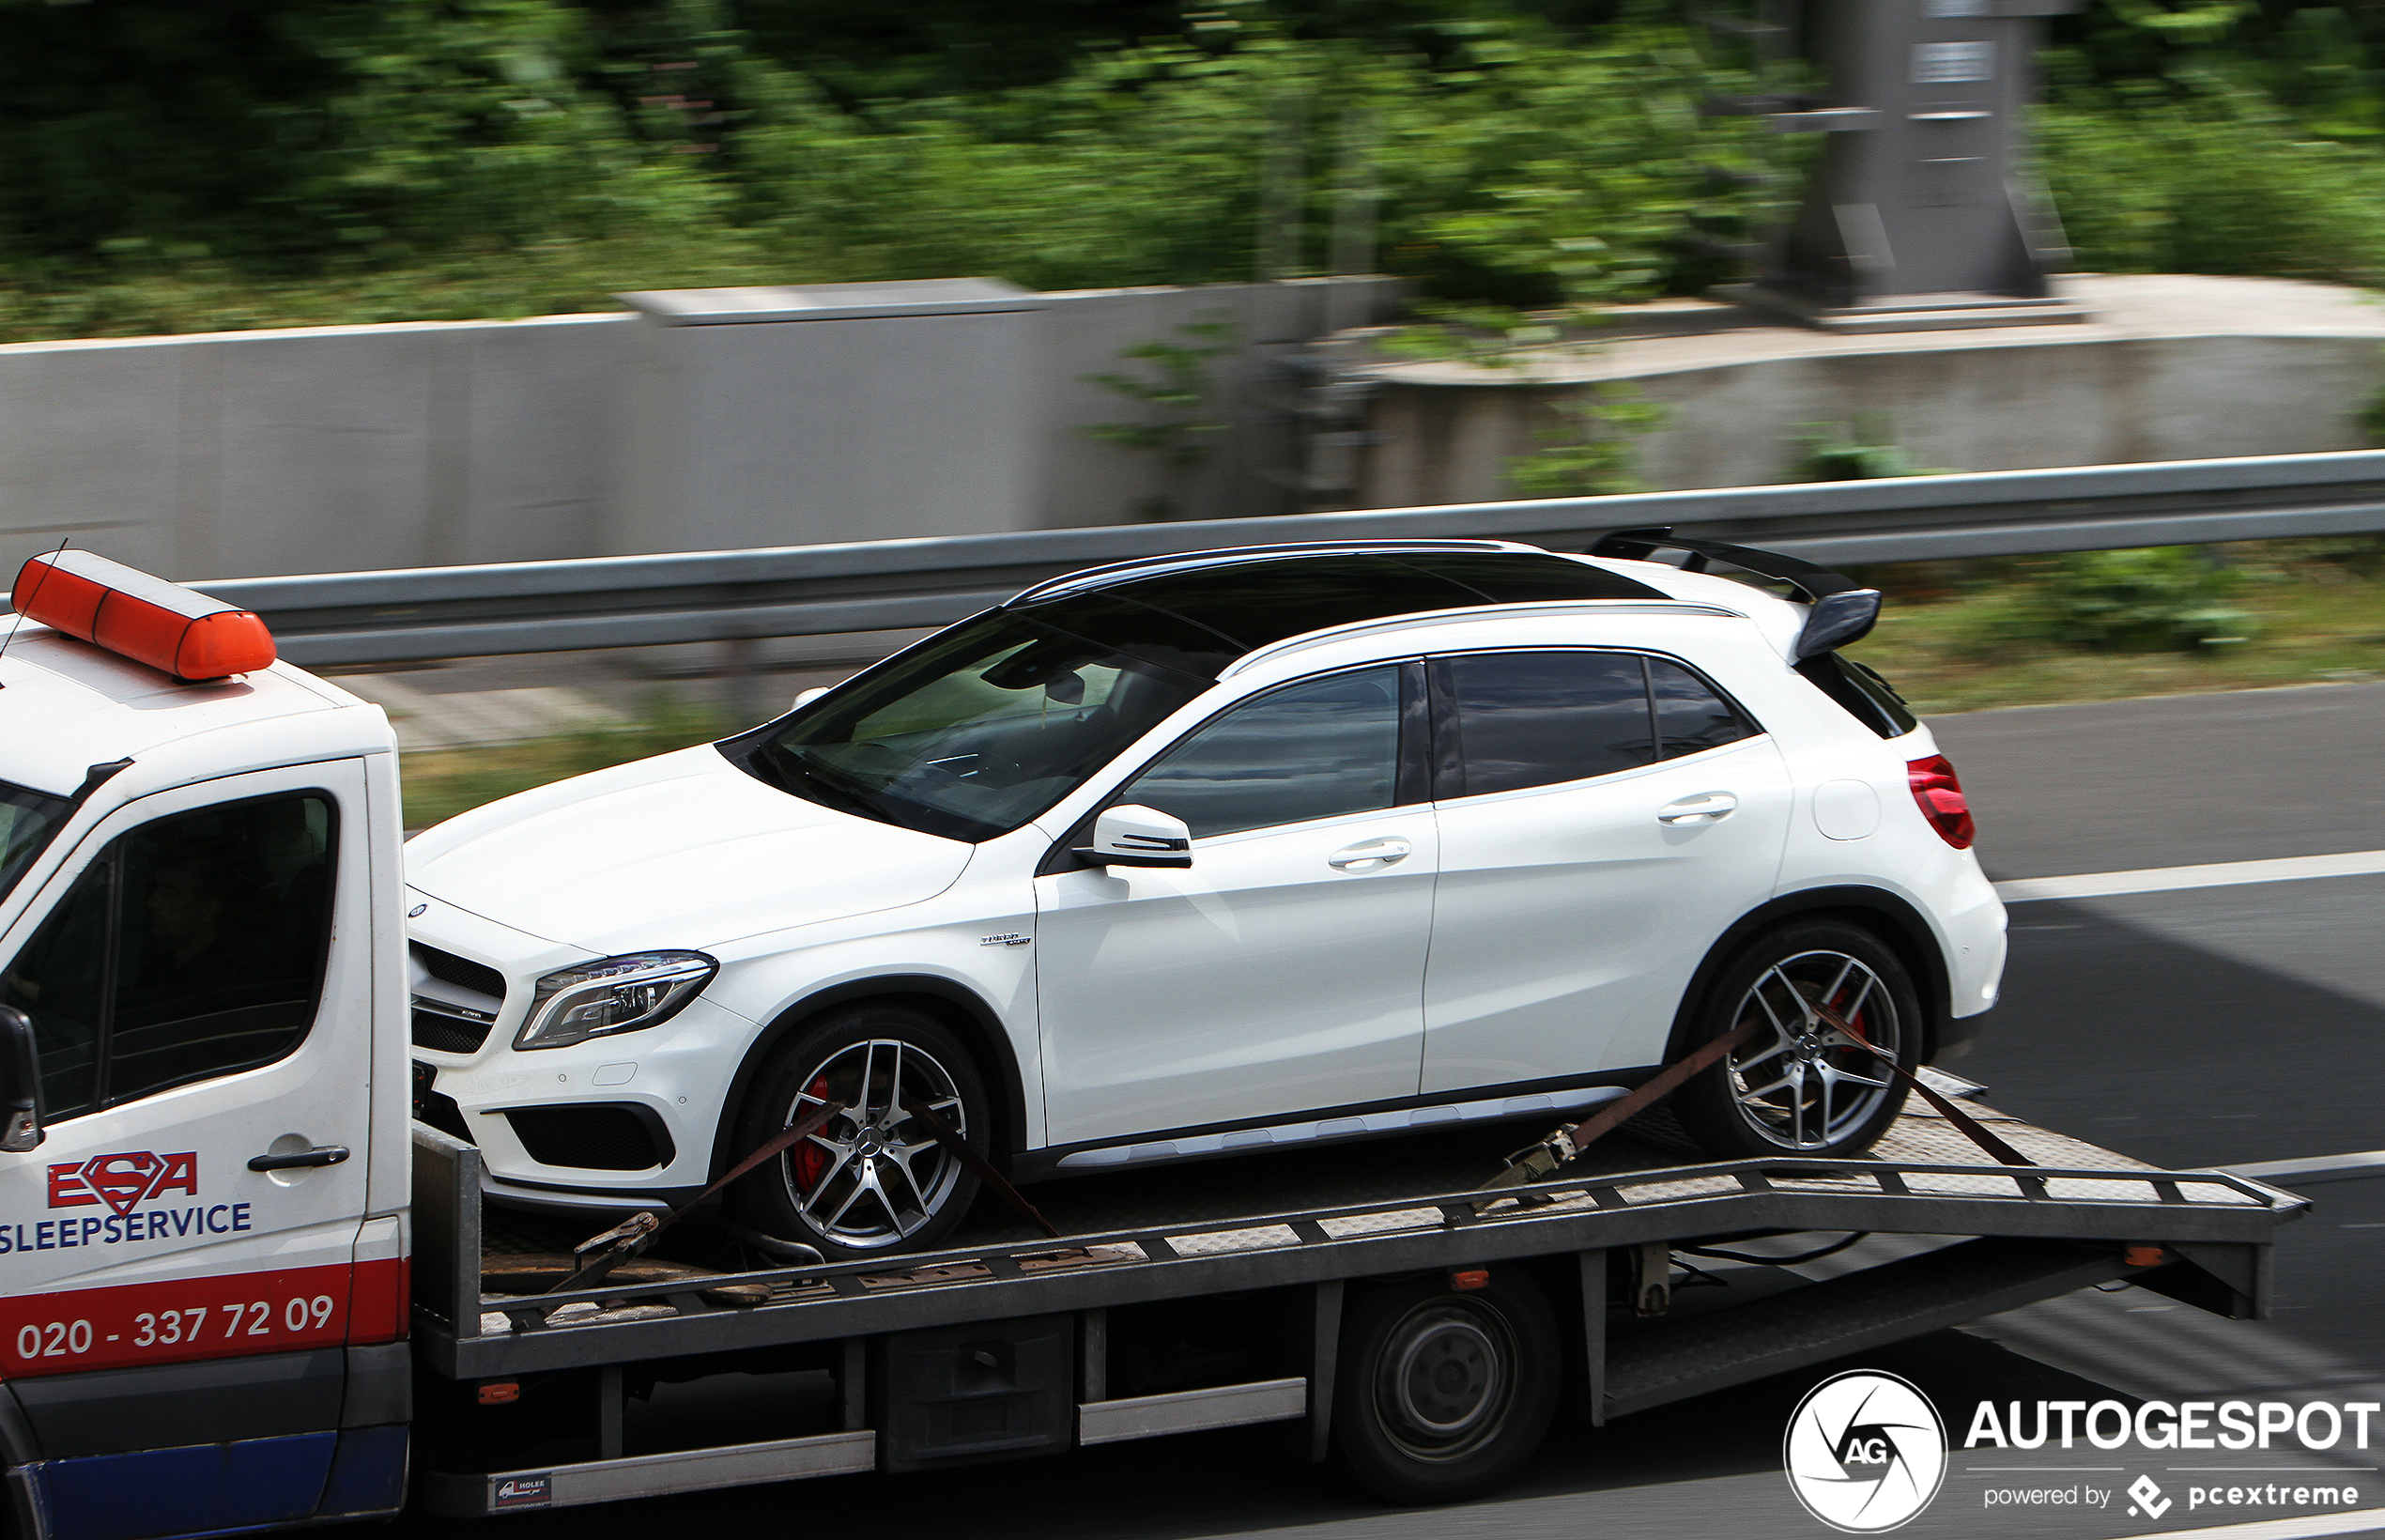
2363	1521
2314	1168
2104	885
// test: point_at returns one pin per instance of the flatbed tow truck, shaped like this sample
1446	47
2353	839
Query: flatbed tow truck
253	1291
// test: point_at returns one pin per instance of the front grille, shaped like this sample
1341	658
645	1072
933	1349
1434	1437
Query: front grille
604	1137
460	971
447	1034
455	1027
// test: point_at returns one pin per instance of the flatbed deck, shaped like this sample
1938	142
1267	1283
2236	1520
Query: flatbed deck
1955	1237
1349	1210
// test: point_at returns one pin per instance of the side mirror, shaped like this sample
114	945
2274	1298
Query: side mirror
1132	836
806	698
20	1083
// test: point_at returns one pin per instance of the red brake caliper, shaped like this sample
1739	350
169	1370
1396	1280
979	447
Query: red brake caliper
810	1160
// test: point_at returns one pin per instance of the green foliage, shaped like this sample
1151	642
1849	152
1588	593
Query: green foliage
2167	598
308	161
2220	181
1173	395
1486	336
176	166
1588	451
443	782
1838	451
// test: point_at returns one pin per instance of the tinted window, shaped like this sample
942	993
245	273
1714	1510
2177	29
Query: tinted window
1689	715
962	737
983	727
1259	602
60	983
27	820
1247	605
192	948
1310	750
1527	577
1868	697
1535	718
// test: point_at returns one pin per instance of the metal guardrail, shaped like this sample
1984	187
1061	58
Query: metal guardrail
883	585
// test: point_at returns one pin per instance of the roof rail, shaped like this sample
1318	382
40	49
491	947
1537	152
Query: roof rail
1844	611
1094	576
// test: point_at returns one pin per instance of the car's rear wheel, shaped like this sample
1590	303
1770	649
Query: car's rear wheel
873	1179
1801	1085
1442	1394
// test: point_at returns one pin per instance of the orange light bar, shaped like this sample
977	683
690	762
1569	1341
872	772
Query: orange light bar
145	618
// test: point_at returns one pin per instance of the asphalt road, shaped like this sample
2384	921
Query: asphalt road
2187	1029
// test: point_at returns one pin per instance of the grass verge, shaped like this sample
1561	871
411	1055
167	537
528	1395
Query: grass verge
1954	640
442	782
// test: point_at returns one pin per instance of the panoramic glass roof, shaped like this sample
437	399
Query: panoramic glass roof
1196	621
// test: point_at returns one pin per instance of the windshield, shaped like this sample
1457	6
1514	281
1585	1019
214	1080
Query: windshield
975	732
27	820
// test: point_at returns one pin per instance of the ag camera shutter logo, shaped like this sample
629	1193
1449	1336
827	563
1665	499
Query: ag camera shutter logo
1865	1452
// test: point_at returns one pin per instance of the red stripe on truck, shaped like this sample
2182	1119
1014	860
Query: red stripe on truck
184	1320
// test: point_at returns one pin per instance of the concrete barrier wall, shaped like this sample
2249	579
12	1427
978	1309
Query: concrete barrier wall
2173	367
1251	465
2005	409
302	451
258	453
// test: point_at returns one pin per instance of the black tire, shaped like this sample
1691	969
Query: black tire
1441	1394
1799	1087
818	1192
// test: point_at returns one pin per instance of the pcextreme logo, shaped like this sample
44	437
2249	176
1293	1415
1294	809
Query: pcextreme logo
1865	1452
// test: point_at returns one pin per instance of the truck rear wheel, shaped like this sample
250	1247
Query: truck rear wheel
873	1179
1444	1394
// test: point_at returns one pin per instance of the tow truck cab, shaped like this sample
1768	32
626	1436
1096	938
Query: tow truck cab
203	1221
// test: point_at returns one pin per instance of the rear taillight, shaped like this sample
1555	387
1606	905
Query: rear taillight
1939	792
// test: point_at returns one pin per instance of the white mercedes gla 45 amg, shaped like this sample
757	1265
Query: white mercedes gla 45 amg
1215	853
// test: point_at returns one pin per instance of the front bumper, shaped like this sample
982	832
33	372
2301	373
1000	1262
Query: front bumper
659	1089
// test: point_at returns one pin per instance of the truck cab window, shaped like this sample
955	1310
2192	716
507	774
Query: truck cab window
27	820
192	948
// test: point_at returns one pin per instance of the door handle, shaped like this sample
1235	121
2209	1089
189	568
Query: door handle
1695	811
1370	856
320	1155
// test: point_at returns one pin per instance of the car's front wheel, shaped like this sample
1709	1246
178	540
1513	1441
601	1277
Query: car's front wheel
874	1178
1800	1084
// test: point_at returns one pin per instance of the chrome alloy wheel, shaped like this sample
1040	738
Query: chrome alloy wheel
1446	1381
873	1176
1802	1083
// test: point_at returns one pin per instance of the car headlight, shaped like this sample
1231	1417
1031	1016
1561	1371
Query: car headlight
612	995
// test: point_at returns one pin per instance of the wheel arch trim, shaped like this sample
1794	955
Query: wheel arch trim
957	1005
1900	925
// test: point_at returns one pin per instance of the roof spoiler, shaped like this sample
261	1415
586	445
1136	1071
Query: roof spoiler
1844	611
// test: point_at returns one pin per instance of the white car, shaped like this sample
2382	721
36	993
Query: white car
1207	854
